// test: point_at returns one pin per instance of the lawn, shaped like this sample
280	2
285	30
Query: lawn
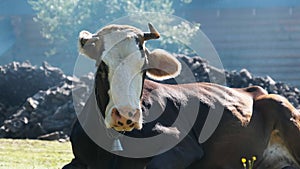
34	154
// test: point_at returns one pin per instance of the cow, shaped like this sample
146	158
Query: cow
252	122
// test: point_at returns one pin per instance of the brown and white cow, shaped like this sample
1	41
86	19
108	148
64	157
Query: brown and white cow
252	122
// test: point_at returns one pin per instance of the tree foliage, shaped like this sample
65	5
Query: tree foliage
61	20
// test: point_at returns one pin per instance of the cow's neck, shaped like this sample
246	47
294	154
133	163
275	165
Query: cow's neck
102	87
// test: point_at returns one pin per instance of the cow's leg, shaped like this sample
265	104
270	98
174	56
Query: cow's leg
129	163
179	157
75	164
286	126
86	152
76	142
289	167
290	129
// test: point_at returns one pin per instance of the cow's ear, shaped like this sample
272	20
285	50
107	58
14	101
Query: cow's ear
162	65
90	44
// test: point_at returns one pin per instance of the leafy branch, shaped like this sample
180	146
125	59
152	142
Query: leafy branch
61	20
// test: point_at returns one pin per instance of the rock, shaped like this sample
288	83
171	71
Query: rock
196	66
49	108
244	73
22	80
15	125
293	100
2	113
31	104
272	89
52	71
50	136
259	81
296	90
63	112
270	81
50	125
3	133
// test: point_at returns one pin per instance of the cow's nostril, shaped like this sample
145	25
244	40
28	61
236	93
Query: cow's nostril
116	112
128	122
120	123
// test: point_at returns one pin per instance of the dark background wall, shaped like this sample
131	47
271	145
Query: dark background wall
260	35
263	39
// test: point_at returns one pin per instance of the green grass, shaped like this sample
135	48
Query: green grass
34	154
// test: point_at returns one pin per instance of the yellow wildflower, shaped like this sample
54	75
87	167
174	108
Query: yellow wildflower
244	160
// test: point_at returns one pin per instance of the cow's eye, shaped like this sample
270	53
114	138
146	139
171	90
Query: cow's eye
141	47
139	44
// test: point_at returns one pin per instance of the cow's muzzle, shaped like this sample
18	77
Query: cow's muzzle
127	120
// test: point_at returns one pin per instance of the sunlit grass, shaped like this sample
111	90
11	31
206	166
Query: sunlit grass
34	154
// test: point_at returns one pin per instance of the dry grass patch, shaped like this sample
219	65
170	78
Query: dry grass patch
34	154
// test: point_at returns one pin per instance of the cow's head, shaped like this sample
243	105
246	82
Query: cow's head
122	61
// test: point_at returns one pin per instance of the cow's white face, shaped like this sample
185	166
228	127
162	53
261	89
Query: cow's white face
121	49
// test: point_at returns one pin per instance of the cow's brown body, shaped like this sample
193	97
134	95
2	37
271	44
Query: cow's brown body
271	131
273	121
271	136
